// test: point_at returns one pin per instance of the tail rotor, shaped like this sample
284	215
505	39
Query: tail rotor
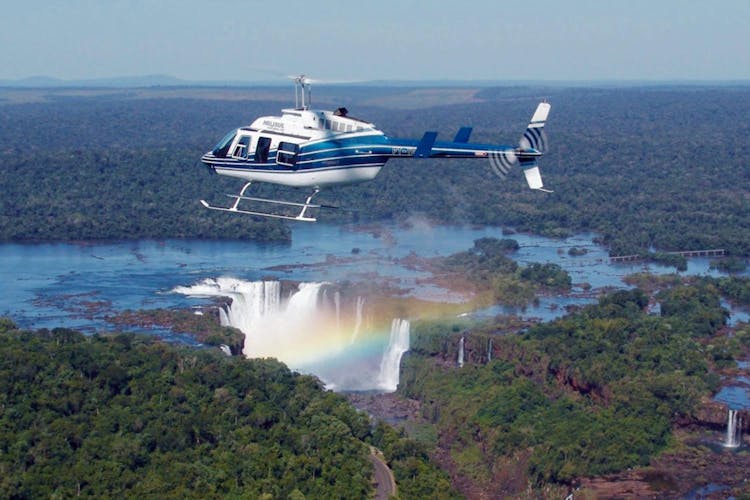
502	162
531	147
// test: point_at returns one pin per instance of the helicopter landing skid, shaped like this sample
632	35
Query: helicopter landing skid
240	197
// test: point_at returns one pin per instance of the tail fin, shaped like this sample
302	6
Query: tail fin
534	136
534	141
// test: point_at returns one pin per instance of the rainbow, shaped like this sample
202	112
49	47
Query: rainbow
314	330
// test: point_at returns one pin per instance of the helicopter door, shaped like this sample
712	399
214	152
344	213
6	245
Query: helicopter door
242	148
287	154
262	149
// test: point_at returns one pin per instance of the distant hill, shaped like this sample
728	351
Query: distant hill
171	81
140	81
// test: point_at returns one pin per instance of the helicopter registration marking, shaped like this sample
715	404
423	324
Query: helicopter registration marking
273	125
400	151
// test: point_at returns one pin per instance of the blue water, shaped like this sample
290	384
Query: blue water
49	285
737	395
738	314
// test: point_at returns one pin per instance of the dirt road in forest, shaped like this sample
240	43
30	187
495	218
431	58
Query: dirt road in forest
385	484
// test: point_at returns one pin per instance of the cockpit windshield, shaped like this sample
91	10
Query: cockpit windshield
221	149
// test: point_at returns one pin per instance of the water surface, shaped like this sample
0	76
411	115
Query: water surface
77	285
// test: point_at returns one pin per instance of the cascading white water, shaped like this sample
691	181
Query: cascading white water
734	430
251	301
271	329
391	362
461	353
223	318
309	332
358	307
489	350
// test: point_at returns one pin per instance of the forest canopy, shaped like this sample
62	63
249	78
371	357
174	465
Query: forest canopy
124	415
595	392
644	167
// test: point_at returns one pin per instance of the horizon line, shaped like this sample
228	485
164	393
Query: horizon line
162	80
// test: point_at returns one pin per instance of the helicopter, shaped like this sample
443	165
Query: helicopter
312	148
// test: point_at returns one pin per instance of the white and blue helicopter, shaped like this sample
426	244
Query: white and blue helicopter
313	148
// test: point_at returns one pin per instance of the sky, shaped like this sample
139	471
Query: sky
223	40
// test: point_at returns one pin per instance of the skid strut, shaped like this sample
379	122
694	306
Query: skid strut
302	216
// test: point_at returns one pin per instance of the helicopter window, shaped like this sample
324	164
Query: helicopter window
220	150
287	154
261	150
242	147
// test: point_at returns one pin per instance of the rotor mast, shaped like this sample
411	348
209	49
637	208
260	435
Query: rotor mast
302	92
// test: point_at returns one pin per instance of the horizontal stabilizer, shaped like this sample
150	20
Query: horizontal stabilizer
534	178
463	134
424	148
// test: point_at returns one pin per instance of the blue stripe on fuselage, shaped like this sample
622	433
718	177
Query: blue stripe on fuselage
360	150
340	161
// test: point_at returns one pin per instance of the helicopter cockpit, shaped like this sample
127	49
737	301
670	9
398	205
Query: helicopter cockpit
222	147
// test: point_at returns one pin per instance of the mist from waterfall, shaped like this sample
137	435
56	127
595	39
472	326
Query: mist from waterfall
358	308
734	430
337	302
312	331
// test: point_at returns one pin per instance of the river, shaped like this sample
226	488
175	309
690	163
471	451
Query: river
79	285
50	284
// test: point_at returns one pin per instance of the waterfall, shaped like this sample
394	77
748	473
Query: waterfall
489	350
251	301
223	318
271	328
734	430
461	353
311	331
358	307
391	362
305	302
